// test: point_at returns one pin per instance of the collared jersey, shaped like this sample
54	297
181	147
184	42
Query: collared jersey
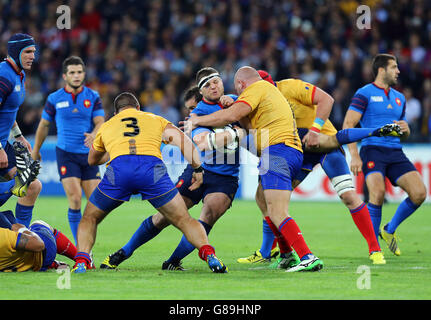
12	95
131	132
16	260
215	160
271	116
300	95
379	107
73	115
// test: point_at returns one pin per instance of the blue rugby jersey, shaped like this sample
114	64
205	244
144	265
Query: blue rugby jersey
212	160
12	94
379	107
73	115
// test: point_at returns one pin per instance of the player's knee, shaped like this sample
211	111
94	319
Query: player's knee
74	201
419	195
343	184
376	194
159	221
35	187
350	199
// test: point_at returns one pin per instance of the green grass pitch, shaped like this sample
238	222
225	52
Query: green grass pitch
327	227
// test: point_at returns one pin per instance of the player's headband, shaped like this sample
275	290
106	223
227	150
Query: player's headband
204	80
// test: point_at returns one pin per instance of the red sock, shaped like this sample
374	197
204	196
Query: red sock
274	244
205	250
362	219
64	246
282	243
291	232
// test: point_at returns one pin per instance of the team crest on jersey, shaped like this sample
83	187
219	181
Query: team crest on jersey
63	170
398	101
87	103
371	164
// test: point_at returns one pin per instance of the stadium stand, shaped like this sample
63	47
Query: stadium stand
153	48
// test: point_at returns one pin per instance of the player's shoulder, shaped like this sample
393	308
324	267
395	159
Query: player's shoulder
398	94
91	92
203	107
57	94
7	72
366	90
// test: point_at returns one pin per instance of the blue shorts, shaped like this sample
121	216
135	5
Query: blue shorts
8	148
391	163
333	163
279	165
75	165
213	182
50	251
134	174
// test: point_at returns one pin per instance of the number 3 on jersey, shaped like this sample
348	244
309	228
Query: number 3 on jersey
133	124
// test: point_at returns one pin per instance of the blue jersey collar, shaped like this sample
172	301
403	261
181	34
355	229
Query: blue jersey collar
386	91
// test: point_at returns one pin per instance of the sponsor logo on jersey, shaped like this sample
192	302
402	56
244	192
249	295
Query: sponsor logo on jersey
62	104
377	98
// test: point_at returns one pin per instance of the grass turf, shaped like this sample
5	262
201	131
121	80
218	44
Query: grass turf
327	227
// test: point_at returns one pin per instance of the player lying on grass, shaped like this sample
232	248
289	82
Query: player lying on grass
35	248
312	107
131	140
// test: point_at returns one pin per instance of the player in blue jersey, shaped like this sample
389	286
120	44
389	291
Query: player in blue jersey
375	104
21	54
78	113
221	171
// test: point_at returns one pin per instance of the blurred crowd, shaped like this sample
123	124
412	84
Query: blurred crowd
153	48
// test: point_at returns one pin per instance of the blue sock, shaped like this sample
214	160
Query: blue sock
5	193
145	233
376	217
184	248
267	240
347	136
404	210
23	214
4	221
9	215
74	217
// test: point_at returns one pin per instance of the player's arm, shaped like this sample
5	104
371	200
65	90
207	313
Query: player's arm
96	157
6	88
220	118
97	154
40	136
405	129
174	136
324	103
350	121
16	133
89	137
27	240
216	140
